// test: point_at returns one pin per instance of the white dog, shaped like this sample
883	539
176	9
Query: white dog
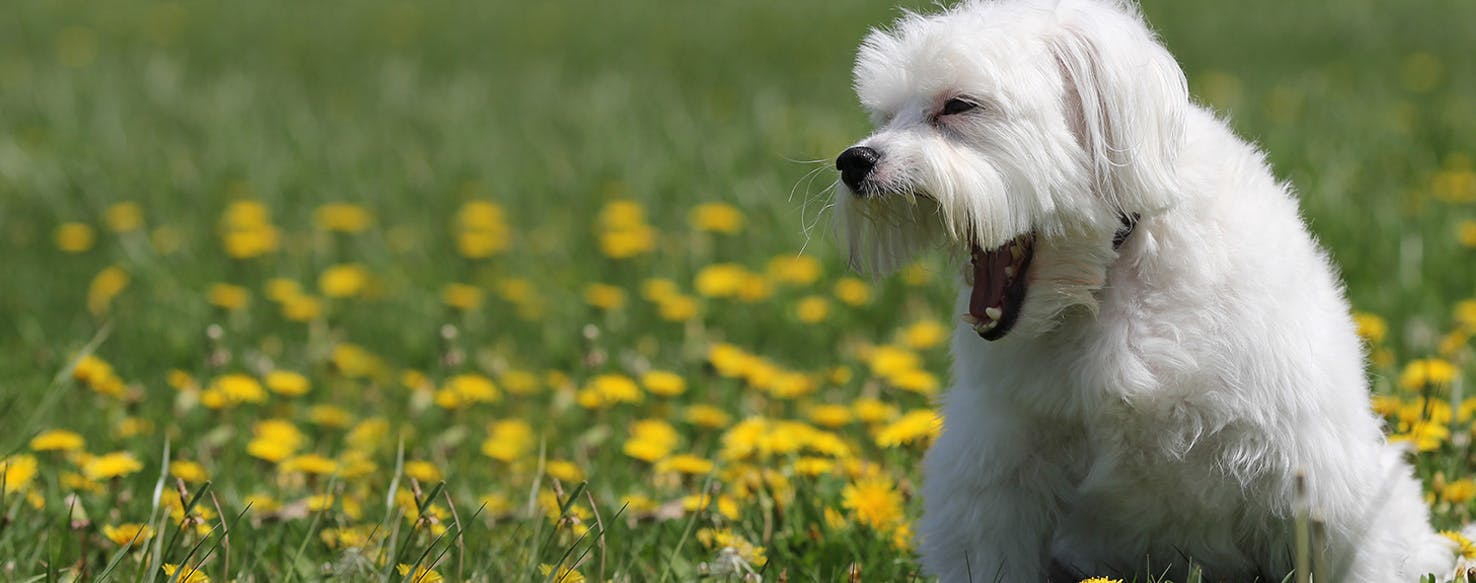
1158	367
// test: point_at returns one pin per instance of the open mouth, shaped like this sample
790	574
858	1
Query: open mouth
998	280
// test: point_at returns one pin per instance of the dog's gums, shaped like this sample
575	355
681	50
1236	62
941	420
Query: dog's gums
998	280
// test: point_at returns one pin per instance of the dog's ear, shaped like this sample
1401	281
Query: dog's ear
1126	99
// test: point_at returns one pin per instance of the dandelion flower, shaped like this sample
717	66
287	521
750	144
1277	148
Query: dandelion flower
685	464
663	383
852	291
812	309
604	296
112	465
57	440
422	574
75	237
228	297
921	426
564	470
720	280
106	285
342	217
794	269
17	471
128	533
873	502
423	471
309	464
283	382
189	574
343	281
1423	374
462	296
124	217
1464	547
717	217
563	575
188	471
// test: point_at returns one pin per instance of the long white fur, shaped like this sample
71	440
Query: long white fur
1154	404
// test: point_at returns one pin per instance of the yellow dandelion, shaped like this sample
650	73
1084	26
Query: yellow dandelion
188	471
308	464
830	415
707	416
75	237
124	217
17	471
423	471
302	308
238	388
852	291
812	309
726	541
920	426
873	502
422	574
228	297
1459	492
685	464
1371	327
186	575
678	308
720	280
519	382
565	470
925	334
1429	373
57	440
343	281
1464	547
508	440
663	383
1424	435
342	217
112	465
330	416
105	286
604	296
284	382
794	269
1466	233
128	533
563	575
1101	580
717	217
462	296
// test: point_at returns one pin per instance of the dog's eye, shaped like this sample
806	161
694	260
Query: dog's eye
957	105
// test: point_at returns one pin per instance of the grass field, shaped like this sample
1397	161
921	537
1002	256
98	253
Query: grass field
500	290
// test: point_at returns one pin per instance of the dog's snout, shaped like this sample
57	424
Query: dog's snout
854	164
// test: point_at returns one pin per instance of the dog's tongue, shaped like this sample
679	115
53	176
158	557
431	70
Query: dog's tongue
989	282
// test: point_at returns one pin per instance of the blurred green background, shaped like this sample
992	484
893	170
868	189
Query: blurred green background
552	107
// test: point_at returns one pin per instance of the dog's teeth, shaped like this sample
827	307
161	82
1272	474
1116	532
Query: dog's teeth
984	327
993	312
970	320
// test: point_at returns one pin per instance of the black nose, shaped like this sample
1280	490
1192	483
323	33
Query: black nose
854	164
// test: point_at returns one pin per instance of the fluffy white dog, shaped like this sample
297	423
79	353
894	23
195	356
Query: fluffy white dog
1158	366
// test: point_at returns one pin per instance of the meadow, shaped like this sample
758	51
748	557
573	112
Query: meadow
546	291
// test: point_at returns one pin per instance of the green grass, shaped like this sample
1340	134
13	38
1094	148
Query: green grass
552	110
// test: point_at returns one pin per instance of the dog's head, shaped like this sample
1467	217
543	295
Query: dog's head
1020	133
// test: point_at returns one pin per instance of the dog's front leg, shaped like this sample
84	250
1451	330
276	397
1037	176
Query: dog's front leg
991	496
